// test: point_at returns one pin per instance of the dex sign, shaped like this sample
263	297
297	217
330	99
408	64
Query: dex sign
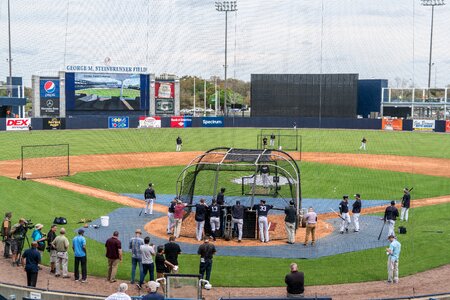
18	124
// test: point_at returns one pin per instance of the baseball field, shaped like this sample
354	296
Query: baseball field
125	161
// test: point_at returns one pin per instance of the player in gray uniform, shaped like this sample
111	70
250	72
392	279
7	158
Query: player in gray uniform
237	213
263	210
343	210
214	219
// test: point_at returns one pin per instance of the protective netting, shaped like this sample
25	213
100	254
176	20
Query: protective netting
41	161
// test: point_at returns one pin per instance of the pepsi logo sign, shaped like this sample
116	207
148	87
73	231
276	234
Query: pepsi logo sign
49	87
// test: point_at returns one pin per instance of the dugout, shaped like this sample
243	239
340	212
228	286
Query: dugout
239	172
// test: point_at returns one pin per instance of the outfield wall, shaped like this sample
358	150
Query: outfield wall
103	122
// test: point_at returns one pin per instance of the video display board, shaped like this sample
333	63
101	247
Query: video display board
107	91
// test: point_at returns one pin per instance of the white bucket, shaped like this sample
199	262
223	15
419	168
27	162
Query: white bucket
104	221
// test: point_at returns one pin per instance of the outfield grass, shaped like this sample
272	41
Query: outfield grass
152	140
420	250
318	181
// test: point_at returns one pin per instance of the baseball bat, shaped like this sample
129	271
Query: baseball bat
337	214
141	212
379	236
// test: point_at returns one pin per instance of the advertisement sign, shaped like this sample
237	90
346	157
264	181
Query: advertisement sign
447	126
165	90
49	88
53	123
391	124
118	122
212	122
18	123
180	122
165	106
423	125
149	122
49	106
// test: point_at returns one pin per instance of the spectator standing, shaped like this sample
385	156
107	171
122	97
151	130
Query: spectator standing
38	237
356	211
390	216
114	255
237	214
406	201
172	250
393	253
295	282
150	197
200	216
178	216
179	142
162	265
147	253
206	252
136	255
120	295
31	259
289	221
79	249
6	232
61	243
171	220
263	210
152	288
51	235
311	222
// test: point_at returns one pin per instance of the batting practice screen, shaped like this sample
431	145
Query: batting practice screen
304	95
41	161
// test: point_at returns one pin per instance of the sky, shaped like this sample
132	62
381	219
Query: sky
376	39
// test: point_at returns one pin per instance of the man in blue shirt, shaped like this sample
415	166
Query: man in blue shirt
135	246
153	295
393	253
31	259
79	248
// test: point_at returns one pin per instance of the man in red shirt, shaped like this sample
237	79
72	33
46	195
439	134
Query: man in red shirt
114	255
178	216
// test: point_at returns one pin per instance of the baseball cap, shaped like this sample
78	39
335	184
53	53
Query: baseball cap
392	202
345	196
357	195
153	286
80	231
179	201
39	226
291	202
138	231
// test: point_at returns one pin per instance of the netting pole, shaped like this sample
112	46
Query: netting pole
68	160
21	167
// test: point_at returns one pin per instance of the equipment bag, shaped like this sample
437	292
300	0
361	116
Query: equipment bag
402	230
60	220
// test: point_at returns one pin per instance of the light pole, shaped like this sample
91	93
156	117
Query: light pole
194	98
9	50
226	6
431	3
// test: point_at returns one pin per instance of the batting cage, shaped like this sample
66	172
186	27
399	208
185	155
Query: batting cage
42	161
281	139
247	176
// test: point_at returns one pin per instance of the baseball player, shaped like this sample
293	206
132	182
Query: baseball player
356	210
150	197
343	210
363	144
272	140
221	197
390	215
200	216
265	172
237	213
264	142
179	144
262	210
406	200
171	219
214	219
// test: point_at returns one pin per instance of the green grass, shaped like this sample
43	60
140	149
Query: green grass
420	250
152	140
318	181
111	92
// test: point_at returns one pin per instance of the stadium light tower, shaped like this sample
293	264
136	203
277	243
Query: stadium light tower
431	3
226	6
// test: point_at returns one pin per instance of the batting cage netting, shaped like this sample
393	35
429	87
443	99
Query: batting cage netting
248	174
281	139
42	161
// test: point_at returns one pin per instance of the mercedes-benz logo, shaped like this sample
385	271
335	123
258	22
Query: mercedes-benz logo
49	103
